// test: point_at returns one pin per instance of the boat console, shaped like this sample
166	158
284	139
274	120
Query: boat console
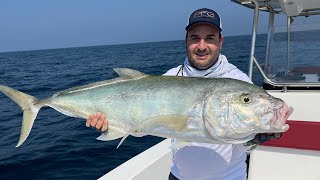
292	58
290	71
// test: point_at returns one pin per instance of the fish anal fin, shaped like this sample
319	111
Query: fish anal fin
123	138
111	134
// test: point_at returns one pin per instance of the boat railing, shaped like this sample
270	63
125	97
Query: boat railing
265	6
284	84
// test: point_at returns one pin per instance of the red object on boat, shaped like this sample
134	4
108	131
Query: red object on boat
301	135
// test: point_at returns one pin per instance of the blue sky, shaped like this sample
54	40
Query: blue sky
44	24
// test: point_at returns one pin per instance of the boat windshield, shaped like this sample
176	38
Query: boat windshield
294	56
293	49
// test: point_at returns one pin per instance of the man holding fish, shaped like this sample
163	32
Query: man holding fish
214	115
203	160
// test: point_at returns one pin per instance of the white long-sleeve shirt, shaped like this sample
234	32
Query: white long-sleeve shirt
200	161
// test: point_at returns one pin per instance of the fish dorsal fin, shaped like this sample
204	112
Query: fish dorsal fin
129	73
124	73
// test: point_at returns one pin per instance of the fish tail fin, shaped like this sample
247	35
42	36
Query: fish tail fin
29	107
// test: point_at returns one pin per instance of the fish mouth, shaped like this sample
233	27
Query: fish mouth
280	118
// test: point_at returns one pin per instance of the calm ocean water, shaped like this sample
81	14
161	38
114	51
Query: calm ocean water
60	147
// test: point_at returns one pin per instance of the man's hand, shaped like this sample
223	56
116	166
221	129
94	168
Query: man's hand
264	137
98	121
260	138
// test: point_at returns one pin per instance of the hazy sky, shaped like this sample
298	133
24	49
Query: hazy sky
44	24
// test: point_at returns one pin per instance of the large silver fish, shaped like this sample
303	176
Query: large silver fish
209	110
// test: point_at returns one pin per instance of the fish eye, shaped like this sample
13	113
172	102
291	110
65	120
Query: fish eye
245	98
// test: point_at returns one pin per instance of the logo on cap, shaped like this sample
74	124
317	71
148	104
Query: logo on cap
201	14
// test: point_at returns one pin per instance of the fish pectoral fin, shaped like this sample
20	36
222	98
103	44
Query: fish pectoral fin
167	126
111	134
168	123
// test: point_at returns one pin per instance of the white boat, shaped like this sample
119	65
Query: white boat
296	156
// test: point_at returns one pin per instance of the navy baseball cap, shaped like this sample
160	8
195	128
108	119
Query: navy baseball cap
205	15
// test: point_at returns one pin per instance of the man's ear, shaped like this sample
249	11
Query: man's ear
221	41
185	40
